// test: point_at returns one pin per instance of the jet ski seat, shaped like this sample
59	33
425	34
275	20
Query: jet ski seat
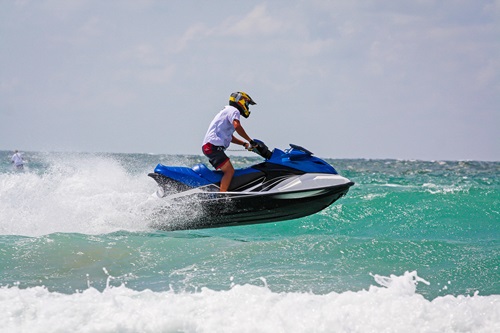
203	171
241	176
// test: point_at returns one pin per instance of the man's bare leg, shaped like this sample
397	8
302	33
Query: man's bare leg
228	171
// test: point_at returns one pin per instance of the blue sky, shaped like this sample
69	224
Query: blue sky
415	79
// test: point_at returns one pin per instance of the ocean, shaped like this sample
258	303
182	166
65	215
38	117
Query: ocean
413	247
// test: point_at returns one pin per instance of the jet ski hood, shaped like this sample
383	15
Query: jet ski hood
301	159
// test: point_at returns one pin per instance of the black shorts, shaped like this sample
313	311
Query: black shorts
216	155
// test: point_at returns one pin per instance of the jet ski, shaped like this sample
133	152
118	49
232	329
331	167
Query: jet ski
289	184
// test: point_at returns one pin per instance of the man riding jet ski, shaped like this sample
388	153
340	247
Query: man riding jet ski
220	134
289	184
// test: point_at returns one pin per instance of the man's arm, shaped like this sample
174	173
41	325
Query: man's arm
241	131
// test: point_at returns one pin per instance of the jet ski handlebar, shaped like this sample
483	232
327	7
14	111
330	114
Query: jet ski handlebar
261	149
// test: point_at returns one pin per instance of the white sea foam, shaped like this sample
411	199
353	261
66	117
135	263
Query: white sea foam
89	195
448	189
393	307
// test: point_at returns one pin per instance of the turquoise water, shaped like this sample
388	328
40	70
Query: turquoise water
412	236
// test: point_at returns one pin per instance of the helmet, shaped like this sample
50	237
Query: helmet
241	101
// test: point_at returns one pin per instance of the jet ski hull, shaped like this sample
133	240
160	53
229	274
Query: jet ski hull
211	210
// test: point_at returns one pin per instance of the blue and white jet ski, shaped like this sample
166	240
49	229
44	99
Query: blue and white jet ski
289	184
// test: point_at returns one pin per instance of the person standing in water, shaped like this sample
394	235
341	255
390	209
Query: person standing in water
220	135
17	160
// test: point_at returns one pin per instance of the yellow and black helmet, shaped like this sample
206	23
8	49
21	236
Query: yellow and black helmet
241	101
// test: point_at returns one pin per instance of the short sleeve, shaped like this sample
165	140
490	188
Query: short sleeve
235	115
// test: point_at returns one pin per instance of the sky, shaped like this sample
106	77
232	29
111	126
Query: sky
408	79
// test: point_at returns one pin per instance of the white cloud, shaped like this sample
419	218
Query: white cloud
256	23
192	34
315	47
91	30
144	54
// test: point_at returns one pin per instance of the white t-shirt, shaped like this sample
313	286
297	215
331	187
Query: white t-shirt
17	159
221	129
